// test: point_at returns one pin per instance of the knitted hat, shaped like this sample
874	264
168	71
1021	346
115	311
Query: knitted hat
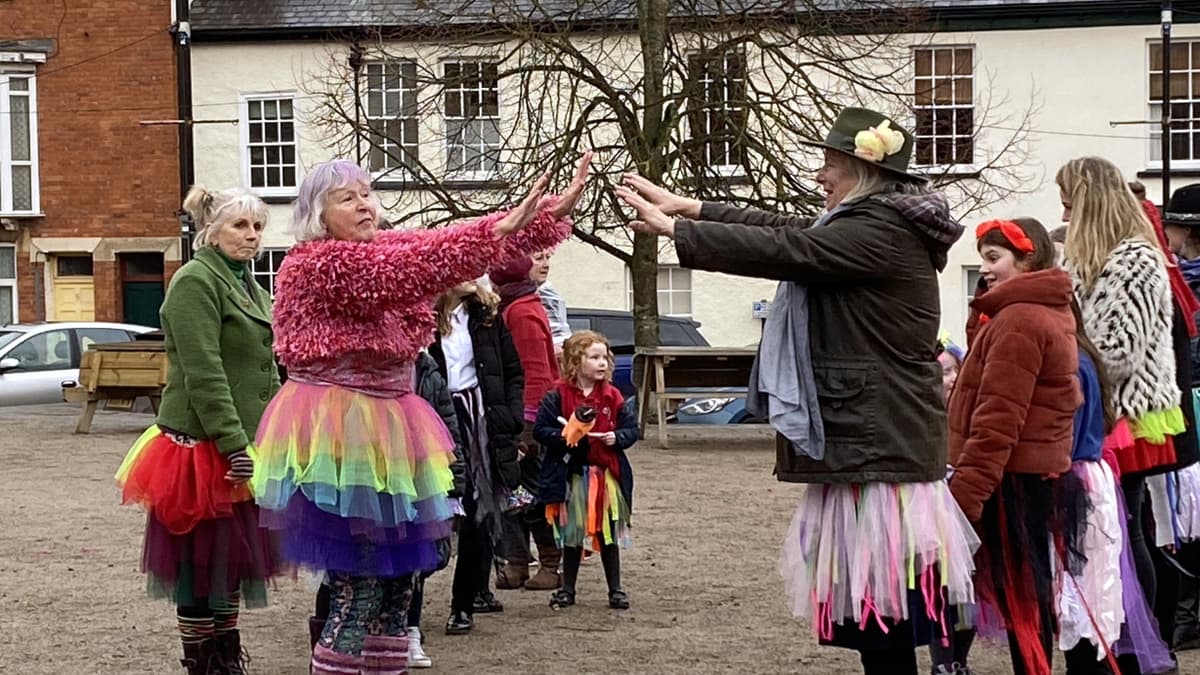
514	271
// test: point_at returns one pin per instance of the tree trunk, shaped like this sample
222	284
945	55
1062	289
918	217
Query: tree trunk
643	269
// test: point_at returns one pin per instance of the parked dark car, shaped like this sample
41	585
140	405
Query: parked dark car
617	326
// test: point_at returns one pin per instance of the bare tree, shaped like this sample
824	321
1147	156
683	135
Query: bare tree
707	97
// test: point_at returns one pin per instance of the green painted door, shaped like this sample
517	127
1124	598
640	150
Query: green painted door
142	300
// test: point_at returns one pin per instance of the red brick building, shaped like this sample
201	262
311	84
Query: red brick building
88	193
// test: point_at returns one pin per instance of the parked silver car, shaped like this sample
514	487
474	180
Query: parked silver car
37	358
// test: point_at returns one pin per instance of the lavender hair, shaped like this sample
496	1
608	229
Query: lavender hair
307	222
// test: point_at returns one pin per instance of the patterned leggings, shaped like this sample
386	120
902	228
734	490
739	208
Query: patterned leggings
362	606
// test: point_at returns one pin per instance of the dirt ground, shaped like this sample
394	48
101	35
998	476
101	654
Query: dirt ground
708	519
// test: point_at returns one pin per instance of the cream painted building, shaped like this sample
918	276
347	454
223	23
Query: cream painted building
1078	71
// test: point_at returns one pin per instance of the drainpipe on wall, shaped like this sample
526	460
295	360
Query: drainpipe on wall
356	64
1166	102
182	30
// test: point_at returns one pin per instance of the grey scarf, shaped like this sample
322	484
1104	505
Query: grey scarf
783	387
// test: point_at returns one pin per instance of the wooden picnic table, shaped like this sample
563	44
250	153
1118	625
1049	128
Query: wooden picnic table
117	374
703	371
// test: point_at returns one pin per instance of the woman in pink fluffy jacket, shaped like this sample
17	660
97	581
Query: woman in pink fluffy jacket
352	468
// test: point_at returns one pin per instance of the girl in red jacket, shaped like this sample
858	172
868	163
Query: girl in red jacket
1011	421
587	482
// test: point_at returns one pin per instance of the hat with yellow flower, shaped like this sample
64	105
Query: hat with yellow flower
873	138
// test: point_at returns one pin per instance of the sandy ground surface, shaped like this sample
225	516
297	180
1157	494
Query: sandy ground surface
708	520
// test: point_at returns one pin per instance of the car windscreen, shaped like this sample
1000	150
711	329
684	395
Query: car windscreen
9	336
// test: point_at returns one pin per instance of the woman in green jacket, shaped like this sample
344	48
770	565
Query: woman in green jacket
203	548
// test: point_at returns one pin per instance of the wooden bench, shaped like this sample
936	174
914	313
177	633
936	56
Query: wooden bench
705	371
117	374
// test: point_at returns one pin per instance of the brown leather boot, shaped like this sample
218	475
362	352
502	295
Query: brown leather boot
548	577
512	576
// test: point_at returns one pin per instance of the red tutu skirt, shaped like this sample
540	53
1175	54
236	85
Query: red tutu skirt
1138	455
202	534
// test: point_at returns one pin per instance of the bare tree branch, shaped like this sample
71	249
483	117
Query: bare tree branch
715	98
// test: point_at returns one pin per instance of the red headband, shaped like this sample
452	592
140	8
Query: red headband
1011	231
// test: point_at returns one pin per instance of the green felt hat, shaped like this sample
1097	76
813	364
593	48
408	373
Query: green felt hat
873	138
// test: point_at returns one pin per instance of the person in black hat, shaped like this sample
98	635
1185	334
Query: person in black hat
1181	224
847	374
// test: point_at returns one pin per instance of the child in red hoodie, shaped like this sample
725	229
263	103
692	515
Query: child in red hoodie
587	486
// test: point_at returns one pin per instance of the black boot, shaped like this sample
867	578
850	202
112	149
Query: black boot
230	655
315	628
200	658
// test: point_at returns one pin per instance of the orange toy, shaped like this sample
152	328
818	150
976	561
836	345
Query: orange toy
581	422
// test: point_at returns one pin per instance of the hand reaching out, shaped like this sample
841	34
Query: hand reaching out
653	220
570	197
668	202
526	211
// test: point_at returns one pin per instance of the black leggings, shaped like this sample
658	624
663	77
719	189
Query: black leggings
901	660
474	561
610	556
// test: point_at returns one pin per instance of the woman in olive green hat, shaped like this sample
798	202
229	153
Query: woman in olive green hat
847	373
203	547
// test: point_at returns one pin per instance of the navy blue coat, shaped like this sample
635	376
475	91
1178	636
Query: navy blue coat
562	462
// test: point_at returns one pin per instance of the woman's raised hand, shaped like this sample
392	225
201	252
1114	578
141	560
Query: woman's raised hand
570	197
652	219
668	202
524	213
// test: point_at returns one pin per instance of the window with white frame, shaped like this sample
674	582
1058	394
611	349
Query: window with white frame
392	116
18	143
717	110
472	116
971	276
1185	101
8	284
269	141
266	266
674	290
944	106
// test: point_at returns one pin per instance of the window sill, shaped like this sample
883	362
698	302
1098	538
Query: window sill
278	199
459	184
730	180
22	215
938	170
1182	172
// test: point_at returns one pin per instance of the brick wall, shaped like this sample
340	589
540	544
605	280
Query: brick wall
102	173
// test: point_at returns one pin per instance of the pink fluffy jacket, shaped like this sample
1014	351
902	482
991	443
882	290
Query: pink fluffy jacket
374	299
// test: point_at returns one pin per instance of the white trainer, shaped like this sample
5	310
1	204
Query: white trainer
417	658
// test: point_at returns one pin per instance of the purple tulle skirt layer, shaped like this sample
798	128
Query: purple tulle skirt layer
216	558
1140	635
323	541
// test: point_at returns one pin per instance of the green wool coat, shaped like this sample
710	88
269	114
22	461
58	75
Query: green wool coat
221	370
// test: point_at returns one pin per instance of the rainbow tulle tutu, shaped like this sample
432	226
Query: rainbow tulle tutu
855	552
354	483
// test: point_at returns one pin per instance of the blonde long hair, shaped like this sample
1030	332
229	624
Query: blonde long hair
445	303
1104	213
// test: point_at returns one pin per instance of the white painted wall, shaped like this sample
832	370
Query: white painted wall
1080	79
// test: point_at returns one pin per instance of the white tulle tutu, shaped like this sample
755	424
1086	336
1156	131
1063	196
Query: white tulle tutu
1099	584
1187	485
854	552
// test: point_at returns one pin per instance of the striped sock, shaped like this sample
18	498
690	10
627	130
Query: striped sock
325	661
194	630
225	613
385	655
